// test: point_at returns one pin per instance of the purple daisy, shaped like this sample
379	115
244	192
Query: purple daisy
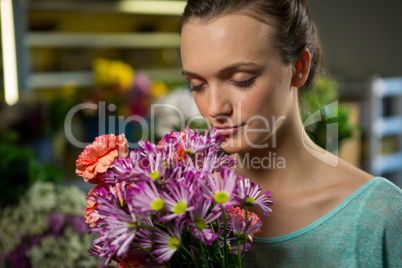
177	201
213	162
167	243
216	137
140	166
222	191
147	198
123	169
143	238
249	194
200	220
194	142
168	146
117	226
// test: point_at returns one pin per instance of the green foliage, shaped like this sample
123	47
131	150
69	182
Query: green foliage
55	111
321	101
20	169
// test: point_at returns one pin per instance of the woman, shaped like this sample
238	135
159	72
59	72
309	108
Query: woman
247	61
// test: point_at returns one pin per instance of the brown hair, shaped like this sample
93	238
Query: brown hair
295	29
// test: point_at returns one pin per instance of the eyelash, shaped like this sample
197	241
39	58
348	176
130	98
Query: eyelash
246	83
195	88
241	84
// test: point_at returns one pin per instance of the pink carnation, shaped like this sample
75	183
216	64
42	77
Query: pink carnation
241	212
99	156
180	153
91	206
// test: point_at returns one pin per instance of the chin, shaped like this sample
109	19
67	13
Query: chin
235	148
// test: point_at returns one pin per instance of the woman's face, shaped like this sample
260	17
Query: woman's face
239	82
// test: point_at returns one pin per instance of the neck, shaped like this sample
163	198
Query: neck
286	161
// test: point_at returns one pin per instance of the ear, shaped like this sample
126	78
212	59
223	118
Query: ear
301	69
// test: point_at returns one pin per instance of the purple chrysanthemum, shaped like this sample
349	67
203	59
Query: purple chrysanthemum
212	162
199	151
117	224
177	201
216	137
123	169
185	183
249	194
200	218
146	198
167	243
168	146
222	191
194	143
140	166
142	239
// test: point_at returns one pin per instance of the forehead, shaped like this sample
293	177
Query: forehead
225	40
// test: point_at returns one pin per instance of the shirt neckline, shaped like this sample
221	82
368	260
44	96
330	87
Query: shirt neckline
321	220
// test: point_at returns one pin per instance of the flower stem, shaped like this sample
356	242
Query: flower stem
238	253
212	227
160	225
245	237
128	265
144	249
203	253
225	246
191	256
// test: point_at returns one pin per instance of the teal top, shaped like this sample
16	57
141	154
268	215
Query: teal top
364	230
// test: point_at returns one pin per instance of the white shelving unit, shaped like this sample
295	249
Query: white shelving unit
164	7
383	126
53	80
90	40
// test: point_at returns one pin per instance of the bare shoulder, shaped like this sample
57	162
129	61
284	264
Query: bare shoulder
338	183
346	176
325	188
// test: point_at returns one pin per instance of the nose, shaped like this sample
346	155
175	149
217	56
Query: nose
219	105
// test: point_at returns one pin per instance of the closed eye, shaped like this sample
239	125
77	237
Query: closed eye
196	88
246	83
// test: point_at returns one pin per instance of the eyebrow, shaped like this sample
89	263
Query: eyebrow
226	69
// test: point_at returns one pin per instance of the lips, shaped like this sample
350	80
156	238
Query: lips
228	130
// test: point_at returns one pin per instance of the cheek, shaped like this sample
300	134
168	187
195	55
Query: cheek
272	98
201	104
261	102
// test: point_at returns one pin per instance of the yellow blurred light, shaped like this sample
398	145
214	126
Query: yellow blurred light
159	89
153	7
9	54
113	72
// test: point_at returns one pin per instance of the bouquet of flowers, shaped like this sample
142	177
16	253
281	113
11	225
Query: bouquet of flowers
172	204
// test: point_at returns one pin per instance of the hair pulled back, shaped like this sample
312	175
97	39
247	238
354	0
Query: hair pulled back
294	28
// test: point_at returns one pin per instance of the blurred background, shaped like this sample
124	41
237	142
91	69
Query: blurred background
119	57
72	70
